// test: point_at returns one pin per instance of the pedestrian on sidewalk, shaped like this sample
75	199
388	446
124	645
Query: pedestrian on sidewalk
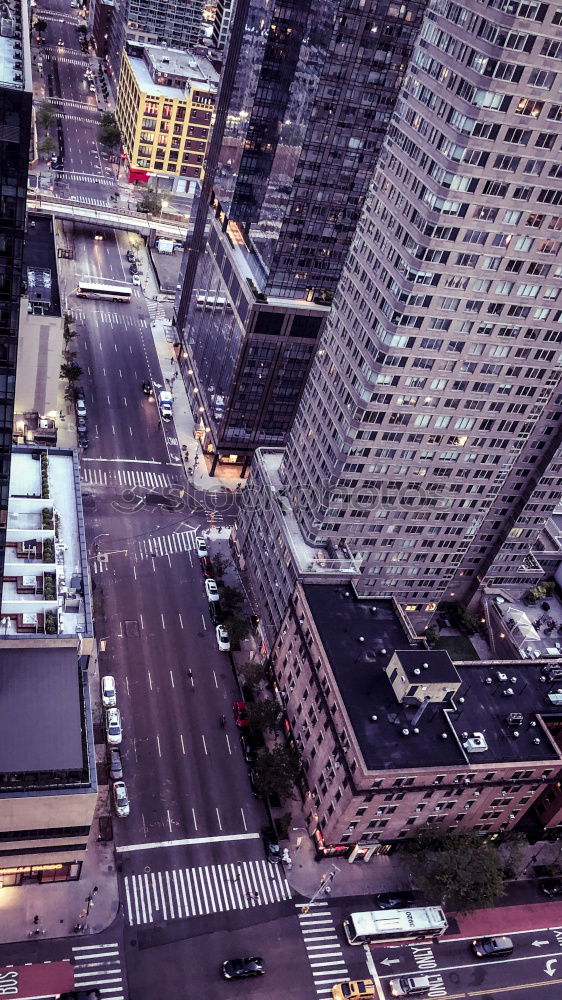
36	918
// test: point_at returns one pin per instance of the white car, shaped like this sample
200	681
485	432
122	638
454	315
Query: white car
211	589
108	692
80	408
121	799
113	725
136	279
201	547
223	641
92	88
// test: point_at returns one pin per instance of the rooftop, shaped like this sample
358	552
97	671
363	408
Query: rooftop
15	69
310	560
195	70
45	571
40	711
394	735
535	630
39	258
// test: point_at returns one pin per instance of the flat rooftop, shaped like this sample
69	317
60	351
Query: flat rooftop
39	256
481	704
197	71
40	714
15	69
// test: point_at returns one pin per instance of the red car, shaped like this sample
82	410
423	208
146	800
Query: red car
206	566
241	715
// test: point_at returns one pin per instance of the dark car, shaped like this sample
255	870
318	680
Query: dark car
552	887
252	774
133	269
79	392
206	566
147	388
83	440
249	749
81	425
492	947
115	765
394	900
242	968
271	845
215	613
131	257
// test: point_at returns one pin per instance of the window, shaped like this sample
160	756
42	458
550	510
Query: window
542	78
552	49
527	106
518	136
545	140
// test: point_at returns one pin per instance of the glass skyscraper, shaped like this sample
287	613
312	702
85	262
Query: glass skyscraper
308	104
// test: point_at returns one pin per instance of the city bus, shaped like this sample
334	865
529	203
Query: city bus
99	288
373	926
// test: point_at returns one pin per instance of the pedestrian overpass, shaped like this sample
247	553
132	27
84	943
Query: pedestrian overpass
100	218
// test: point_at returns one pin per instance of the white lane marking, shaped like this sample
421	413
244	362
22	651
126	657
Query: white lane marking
172	678
243	818
182	746
158	742
149	679
218	817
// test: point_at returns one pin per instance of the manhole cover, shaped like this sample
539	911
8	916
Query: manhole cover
132	629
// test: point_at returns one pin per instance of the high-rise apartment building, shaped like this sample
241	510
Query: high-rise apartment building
151	22
15	128
308	106
427	439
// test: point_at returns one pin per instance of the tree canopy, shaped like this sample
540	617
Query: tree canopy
151	201
457	869
277	770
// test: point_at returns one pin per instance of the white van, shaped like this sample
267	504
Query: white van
409	986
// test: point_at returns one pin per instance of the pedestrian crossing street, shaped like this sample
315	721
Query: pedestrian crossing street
323	949
94	476
99	965
189	892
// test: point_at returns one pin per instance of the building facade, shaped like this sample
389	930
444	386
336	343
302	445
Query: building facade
395	737
428	434
160	23
15	130
164	109
309	104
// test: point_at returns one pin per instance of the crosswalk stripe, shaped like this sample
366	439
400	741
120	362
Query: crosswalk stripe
187	892
99	966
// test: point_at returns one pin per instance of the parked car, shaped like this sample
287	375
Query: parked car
252	774
108	692
492	947
133	269
215	612
80	407
201	547
409	986
92	88
121	799
83	441
249	748
223	639
242	968
206	566
211	589
80	393
552	887
81	425
394	900
136	279
115	764
113	724
131	257
240	712
272	848
354	990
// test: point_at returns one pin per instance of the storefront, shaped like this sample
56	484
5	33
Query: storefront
65	871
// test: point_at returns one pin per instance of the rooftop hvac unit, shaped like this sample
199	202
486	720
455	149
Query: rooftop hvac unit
476	743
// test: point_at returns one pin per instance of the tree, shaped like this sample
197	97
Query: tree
277	770
432	634
82	29
238	628
45	117
108	118
232	599
459	870
253	673
220	565
150	202
264	715
110	136
46	145
71	371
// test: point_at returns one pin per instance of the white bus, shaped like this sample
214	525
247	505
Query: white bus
416	923
94	288
210	301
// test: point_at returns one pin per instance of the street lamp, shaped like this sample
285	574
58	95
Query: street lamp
90	899
325	887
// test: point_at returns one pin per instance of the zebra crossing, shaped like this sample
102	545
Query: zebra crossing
323	949
191	892
99	965
167	545
86	200
70	175
94	476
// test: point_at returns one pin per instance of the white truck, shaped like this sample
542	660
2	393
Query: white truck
164	246
165	404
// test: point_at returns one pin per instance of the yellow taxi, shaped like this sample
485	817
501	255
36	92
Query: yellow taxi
355	990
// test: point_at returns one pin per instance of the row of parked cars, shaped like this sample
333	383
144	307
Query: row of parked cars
213	596
134	271
81	418
114	731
